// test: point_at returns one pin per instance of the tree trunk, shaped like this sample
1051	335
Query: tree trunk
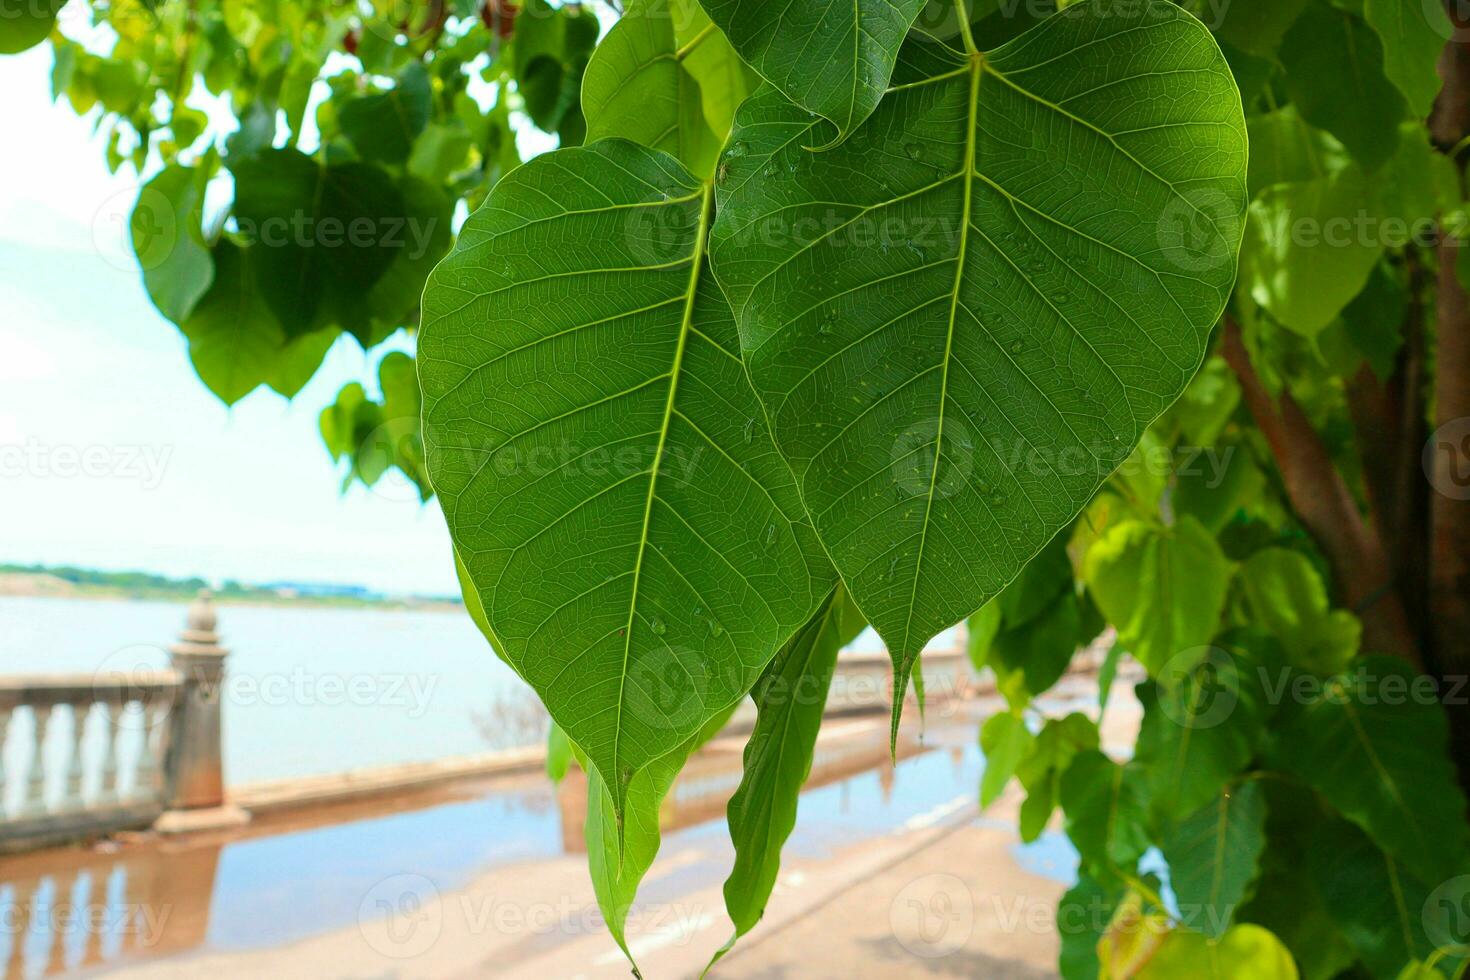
1447	453
1447	464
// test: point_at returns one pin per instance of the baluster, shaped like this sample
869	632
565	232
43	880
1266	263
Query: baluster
146	773
162	727
5	714
111	732
72	800
35	798
96	919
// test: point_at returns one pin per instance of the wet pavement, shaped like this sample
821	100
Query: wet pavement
485	880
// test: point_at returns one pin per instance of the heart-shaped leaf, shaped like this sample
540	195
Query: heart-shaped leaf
831	59
1213	856
961	320
637	544
663	77
790	697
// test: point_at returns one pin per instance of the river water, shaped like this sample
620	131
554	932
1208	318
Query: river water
310	689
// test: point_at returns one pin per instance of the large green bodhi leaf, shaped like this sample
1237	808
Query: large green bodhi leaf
663	78
829	58
637	544
962	319
790	697
1213	856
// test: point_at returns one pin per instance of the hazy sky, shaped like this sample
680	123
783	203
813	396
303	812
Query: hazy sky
112	453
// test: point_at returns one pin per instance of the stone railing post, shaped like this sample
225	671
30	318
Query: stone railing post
194	753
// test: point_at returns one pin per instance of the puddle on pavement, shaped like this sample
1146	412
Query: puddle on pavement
154	899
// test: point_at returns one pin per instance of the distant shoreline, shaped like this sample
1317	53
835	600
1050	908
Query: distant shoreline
43	585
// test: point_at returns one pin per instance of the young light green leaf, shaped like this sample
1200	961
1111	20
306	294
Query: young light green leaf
1244	951
1299	260
168	238
790	698
299	360
1286	149
1040	772
1005	741
1373	743
982	627
1413	35
831	59
24	25
1213	856
558	753
1163	588
1288	598
663	84
956	330
637	543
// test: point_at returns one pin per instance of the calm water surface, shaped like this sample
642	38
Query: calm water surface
310	690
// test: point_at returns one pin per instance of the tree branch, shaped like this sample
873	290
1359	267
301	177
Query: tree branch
1326	507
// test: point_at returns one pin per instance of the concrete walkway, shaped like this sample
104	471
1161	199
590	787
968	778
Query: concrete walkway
947	892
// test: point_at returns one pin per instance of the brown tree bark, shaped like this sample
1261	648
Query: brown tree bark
1448	468
1448	450
1389	422
1325	505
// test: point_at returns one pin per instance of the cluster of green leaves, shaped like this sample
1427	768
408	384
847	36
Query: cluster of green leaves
302	163
1289	808
665	422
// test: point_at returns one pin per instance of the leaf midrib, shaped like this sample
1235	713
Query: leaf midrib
685	326
977	62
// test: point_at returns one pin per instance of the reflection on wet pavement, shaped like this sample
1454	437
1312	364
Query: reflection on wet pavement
88	910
